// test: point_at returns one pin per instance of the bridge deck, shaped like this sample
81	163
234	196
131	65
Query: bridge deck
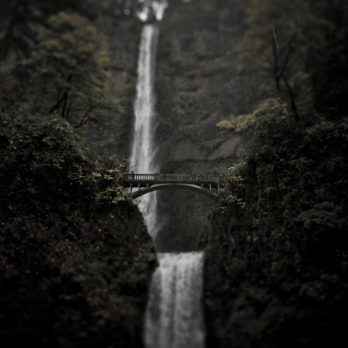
144	183
151	179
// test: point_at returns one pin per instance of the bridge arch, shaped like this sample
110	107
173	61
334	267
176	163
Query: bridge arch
144	190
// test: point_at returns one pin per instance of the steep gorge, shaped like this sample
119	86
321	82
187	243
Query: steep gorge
276	255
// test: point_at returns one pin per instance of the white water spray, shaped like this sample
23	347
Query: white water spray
174	317
152	10
143	150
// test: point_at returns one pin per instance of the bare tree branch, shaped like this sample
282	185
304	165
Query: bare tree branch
84	119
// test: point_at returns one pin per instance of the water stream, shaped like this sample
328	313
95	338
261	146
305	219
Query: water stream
143	154
174	316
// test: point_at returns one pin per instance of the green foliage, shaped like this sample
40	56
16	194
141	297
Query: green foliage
279	247
68	234
267	110
327	61
75	255
273	54
65	73
74	252
283	222
67	68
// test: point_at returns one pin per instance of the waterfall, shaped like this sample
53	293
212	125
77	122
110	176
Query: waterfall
142	158
173	317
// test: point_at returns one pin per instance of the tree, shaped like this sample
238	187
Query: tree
327	59
68	69
273	53
75	255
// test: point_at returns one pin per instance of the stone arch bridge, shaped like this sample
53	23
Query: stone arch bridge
140	184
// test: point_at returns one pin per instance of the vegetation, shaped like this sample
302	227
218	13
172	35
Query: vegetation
75	255
67	69
279	251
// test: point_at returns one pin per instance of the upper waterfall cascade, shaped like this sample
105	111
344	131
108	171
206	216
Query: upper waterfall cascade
152	9
143	147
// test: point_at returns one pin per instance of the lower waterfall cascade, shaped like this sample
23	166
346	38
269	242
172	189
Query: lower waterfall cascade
174	317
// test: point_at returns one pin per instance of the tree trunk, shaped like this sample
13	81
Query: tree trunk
292	98
276	63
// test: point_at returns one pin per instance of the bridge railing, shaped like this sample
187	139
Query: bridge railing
169	178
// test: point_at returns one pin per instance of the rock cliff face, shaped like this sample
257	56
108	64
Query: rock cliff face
197	86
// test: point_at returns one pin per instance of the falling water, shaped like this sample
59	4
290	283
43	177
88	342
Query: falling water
173	316
143	148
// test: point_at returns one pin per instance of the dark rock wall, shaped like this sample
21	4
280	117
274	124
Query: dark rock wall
197	86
